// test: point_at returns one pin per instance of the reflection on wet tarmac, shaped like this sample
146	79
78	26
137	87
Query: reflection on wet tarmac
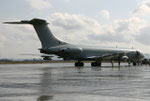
64	82
44	98
96	68
45	88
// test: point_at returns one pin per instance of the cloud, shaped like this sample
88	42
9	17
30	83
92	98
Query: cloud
144	36
2	39
105	14
17	39
2	36
80	27
66	0
40	4
121	31
16	35
143	8
76	29
75	25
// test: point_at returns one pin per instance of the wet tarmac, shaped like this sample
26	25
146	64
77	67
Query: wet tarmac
64	82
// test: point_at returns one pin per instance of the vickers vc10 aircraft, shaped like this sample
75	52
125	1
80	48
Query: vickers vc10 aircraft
67	51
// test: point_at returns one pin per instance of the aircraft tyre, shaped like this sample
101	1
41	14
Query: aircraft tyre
79	64
134	63
96	64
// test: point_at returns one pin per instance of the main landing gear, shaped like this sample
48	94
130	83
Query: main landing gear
134	63
79	64
96	64
93	64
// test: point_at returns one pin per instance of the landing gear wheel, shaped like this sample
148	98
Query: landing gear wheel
96	64
79	64
134	64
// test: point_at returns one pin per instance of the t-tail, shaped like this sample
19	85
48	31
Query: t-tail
45	35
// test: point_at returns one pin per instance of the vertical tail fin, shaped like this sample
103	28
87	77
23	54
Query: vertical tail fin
45	35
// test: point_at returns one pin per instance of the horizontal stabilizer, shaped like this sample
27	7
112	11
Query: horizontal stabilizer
34	21
19	22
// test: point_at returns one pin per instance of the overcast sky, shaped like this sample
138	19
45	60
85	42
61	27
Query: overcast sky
111	23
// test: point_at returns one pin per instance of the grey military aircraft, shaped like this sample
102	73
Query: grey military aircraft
52	45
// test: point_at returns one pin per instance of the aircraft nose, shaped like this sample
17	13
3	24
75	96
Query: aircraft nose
140	54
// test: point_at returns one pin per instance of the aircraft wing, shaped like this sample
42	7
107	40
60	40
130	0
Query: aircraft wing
44	56
41	55
107	56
